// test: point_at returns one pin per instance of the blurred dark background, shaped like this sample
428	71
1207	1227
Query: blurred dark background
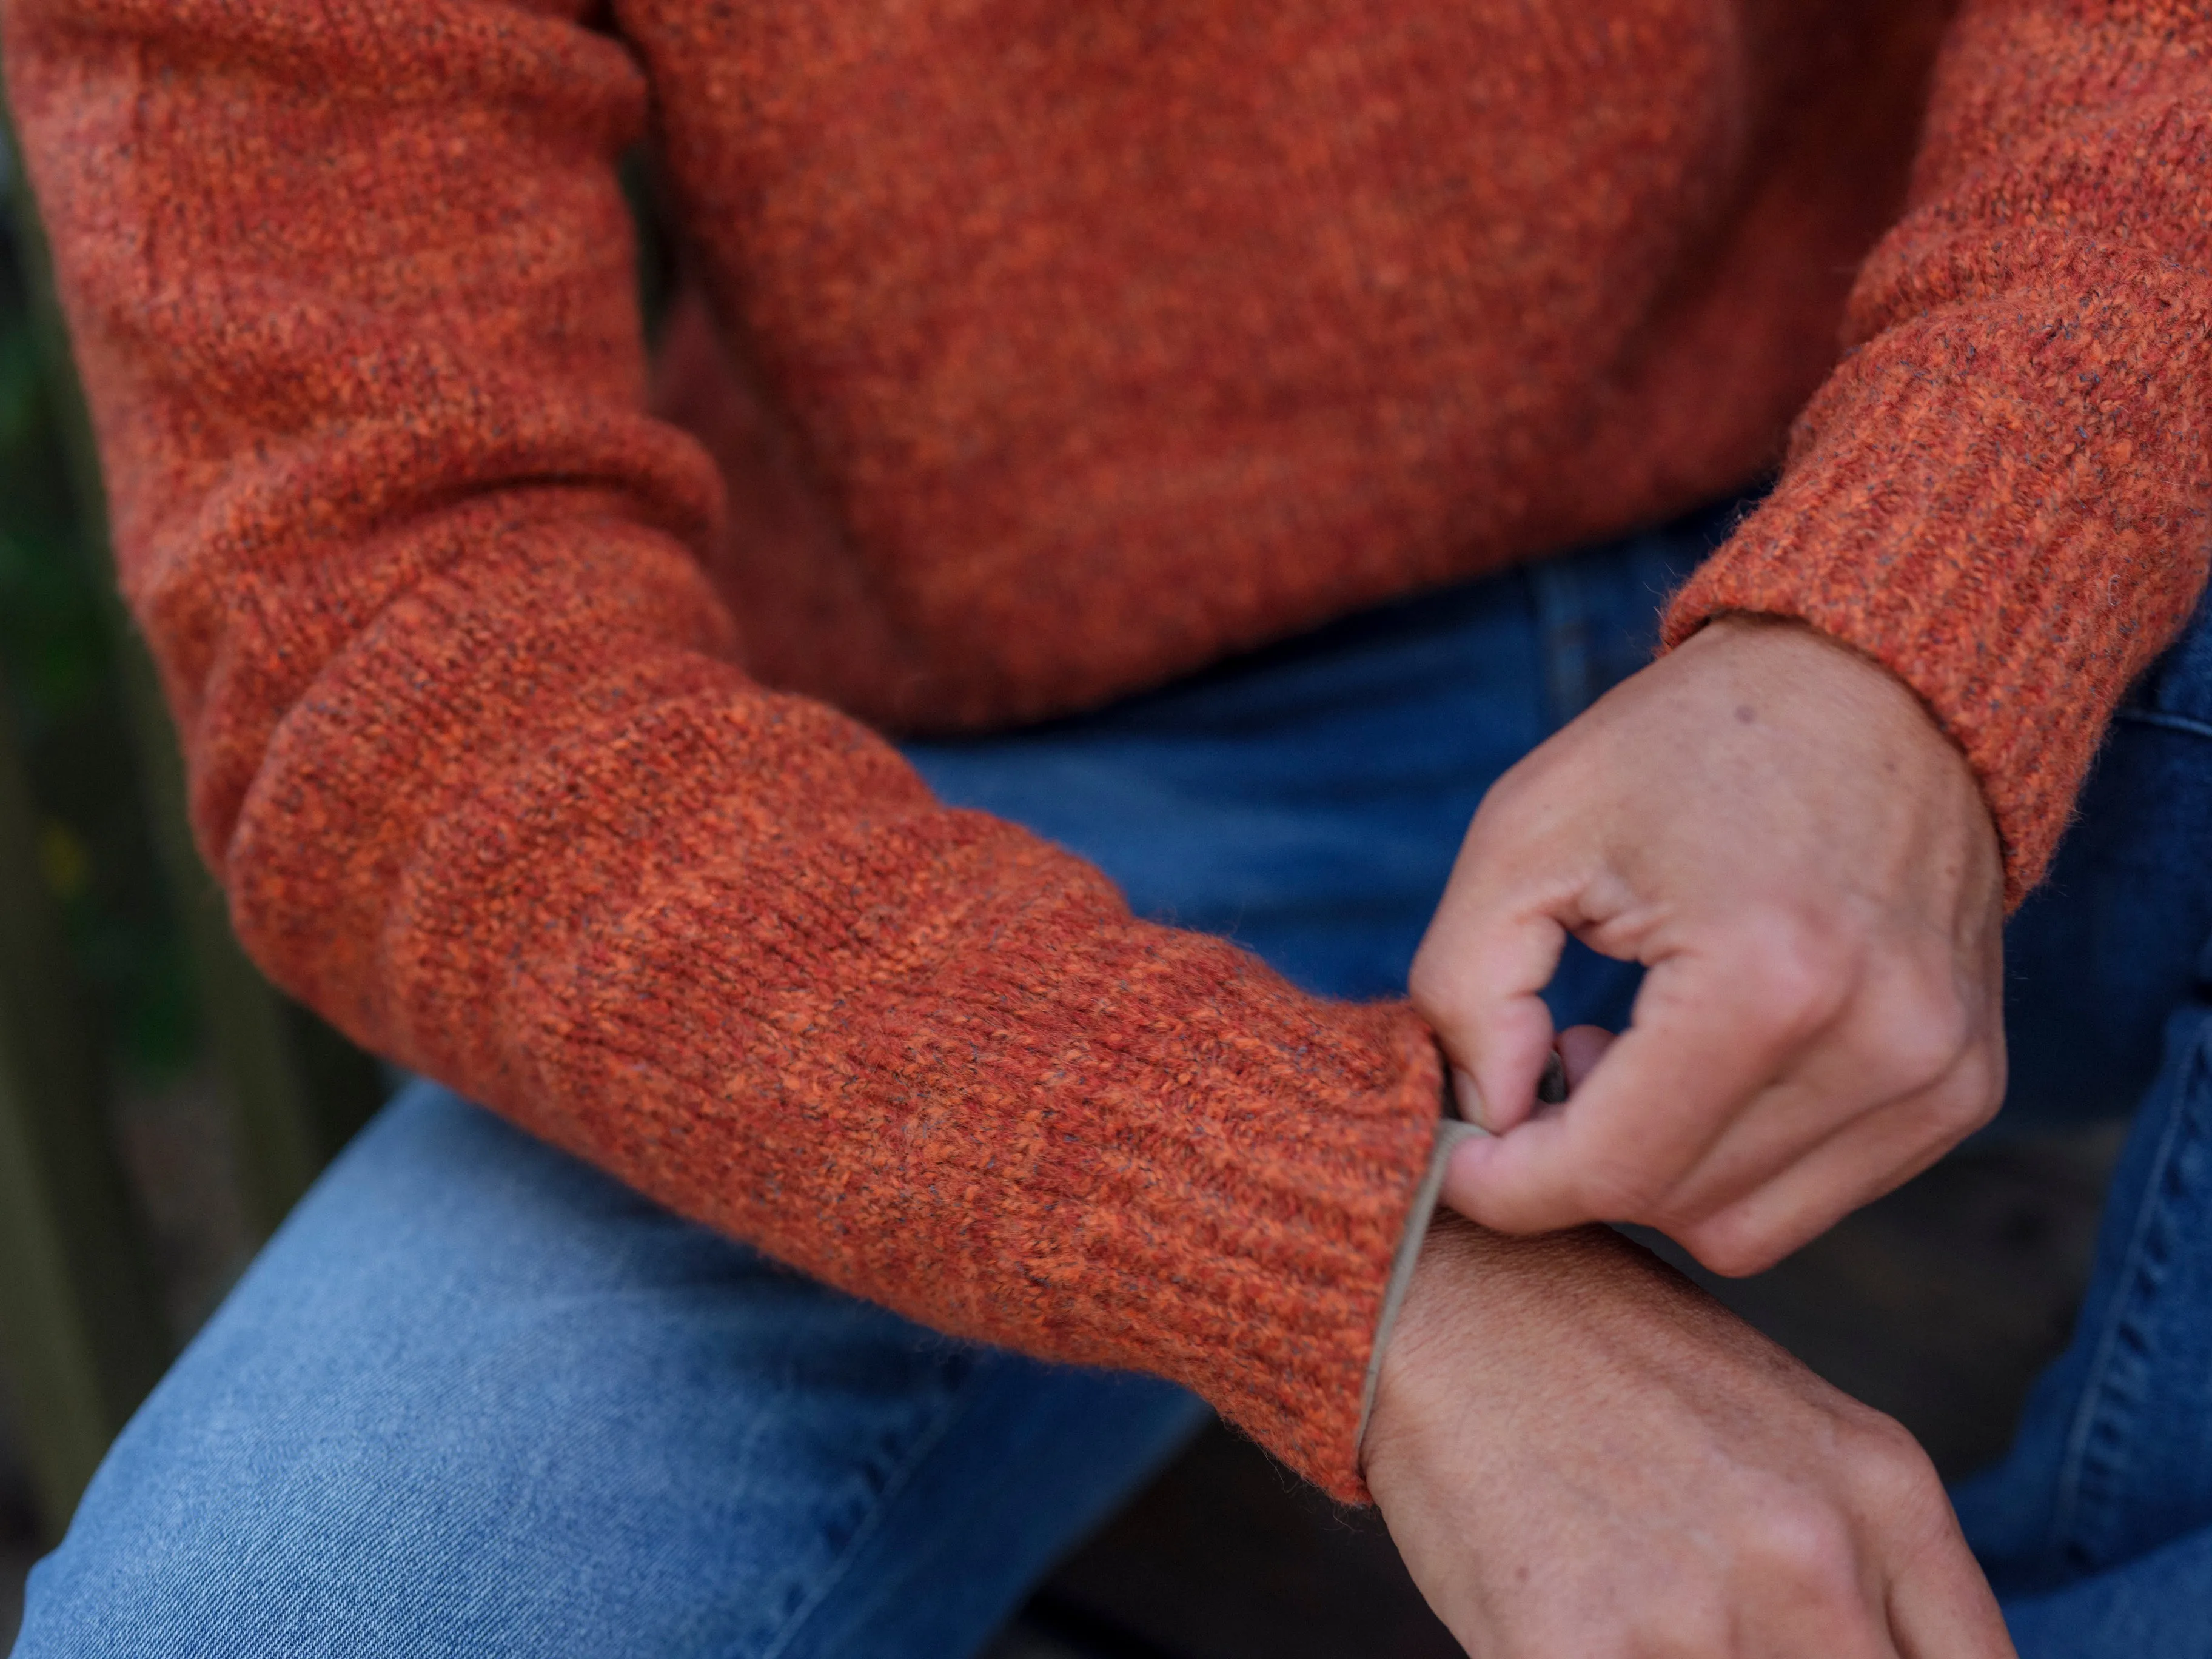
161	1108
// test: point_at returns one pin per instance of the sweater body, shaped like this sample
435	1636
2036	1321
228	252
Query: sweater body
1102	344
1032	354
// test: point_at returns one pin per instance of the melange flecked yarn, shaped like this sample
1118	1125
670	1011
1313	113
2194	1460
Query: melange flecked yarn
1030	353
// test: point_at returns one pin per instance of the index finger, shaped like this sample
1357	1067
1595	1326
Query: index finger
1702	1043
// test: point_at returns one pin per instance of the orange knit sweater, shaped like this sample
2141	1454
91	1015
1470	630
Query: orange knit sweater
1057	348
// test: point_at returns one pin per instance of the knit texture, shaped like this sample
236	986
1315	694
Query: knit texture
2004	493
1032	354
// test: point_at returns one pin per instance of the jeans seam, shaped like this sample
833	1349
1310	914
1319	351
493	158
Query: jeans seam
901	1477
2169	722
2134	1284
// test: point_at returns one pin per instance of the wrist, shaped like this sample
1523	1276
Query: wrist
1477	1301
1487	1319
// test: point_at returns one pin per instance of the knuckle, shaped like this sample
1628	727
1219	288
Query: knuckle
1966	1102
1809	1545
1922	1044
1957	1103
1892	1462
1982	1083
1891	1476
1797	976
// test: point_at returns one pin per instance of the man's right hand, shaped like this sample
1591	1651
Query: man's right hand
1581	1455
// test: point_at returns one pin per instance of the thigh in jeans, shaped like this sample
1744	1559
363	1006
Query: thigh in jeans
476	1398
2095	1529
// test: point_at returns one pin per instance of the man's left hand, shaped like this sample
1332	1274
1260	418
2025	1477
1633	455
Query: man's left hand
1775	827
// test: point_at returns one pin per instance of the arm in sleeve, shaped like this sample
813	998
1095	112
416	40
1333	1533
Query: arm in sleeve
2004	492
469	748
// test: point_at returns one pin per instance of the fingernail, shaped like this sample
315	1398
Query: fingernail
1552	1087
1469	1098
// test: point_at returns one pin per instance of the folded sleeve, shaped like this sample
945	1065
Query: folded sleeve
2004	492
471	752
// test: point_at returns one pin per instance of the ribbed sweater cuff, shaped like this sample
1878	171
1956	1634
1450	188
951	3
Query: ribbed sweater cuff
1130	1148
1301	1248
2013	565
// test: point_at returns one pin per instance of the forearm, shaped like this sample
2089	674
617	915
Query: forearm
472	752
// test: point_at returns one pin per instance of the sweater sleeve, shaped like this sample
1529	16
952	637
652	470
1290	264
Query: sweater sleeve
350	283
2004	492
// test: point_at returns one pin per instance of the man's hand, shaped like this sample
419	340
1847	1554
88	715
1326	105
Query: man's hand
1775	826
1578	1453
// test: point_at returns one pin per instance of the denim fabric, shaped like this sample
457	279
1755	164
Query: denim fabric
1308	801
475	1398
2097	1528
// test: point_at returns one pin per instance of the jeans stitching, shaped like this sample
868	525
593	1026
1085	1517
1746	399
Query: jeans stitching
2090	1459
2142	715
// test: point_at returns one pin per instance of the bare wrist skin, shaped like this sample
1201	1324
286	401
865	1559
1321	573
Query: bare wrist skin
1578	1452
1480	1304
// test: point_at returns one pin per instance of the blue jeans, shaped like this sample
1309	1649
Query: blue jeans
476	1398
2096	1529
